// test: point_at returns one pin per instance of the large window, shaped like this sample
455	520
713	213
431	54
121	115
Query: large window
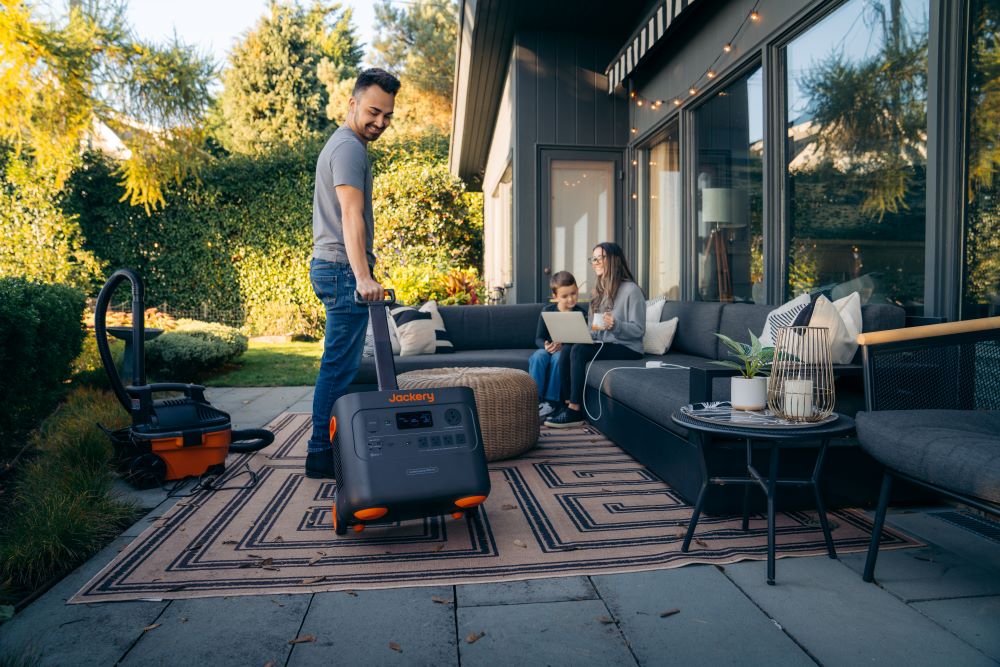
856	153
498	236
729	184
981	280
662	200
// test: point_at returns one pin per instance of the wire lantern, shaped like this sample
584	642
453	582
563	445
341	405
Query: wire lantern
800	388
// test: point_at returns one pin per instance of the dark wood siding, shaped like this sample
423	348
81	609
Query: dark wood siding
560	99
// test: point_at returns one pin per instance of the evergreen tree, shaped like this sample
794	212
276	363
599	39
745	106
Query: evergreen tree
272	91
417	42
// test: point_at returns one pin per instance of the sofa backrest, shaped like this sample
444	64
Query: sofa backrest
699	320
492	327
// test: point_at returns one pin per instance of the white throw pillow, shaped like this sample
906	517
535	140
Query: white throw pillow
654	308
782	316
849	308
843	343
443	342
659	336
369	350
415	330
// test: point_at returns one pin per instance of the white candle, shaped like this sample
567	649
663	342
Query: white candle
798	398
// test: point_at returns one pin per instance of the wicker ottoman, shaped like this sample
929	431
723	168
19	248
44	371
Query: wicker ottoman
506	399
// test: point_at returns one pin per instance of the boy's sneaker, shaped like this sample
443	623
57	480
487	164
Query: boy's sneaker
545	408
565	418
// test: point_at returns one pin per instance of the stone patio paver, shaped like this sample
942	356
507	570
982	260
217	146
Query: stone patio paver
841	620
574	634
396	626
716	623
975	620
555	589
222	631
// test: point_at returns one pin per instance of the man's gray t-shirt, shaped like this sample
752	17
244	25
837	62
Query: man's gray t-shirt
343	161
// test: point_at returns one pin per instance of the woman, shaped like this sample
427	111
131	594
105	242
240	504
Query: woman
618	320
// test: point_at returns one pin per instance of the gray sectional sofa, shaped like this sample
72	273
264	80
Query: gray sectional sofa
635	406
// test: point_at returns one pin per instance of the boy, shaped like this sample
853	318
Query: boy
544	363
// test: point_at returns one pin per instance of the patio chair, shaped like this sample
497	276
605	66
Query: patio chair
932	395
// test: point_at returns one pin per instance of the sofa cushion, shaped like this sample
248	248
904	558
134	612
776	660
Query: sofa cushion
504	358
697	322
654	393
958	450
491	327
737	320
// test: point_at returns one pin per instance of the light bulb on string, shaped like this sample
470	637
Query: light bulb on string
693	91
727	48
710	74
754	16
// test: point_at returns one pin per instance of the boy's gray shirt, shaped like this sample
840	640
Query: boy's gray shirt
343	161
629	311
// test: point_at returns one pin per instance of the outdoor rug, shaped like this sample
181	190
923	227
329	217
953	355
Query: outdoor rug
574	505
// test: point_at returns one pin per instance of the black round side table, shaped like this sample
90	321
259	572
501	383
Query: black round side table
701	432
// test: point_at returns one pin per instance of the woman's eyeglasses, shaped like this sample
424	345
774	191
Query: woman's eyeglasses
597	260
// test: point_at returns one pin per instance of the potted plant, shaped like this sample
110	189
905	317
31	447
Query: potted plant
748	390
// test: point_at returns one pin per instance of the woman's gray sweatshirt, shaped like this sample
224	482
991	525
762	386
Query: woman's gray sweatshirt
629	311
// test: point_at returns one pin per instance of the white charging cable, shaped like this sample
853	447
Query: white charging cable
586	377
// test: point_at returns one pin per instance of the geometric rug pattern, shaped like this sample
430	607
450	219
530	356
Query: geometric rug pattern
576	504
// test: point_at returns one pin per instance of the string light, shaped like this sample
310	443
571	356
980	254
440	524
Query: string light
710	74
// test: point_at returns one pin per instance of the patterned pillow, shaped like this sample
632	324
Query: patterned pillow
369	350
783	316
443	342
415	329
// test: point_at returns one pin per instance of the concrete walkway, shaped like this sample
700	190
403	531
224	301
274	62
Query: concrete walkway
934	605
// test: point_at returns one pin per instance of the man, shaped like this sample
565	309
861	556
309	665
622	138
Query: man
342	259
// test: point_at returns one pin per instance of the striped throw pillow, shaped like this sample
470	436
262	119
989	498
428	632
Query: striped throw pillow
442	341
783	316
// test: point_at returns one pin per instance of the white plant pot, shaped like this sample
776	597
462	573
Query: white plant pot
748	394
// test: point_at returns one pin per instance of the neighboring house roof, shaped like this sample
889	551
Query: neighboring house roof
485	39
102	138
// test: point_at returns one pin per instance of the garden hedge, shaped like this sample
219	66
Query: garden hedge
237	241
41	333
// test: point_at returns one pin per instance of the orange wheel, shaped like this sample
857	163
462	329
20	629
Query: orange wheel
333	427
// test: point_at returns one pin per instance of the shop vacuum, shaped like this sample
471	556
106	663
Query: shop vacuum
170	438
401	454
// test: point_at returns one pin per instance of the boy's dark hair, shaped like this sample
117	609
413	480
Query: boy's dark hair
561	279
375	76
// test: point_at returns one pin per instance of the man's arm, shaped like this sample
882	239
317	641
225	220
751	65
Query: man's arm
352	207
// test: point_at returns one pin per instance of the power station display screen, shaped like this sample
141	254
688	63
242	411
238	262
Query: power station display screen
420	419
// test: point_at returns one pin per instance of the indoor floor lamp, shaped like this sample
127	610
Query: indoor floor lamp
723	209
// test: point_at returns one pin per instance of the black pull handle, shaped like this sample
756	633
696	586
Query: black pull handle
390	299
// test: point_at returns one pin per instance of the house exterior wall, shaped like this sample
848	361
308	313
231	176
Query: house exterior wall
559	99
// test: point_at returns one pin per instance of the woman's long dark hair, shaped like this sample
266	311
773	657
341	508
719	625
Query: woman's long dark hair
616	272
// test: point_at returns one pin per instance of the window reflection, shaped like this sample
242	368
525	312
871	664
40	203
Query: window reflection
664	206
582	214
981	288
729	205
857	158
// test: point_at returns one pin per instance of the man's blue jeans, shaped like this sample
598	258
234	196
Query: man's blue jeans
544	368
334	284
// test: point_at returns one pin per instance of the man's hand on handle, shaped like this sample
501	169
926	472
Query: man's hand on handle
370	290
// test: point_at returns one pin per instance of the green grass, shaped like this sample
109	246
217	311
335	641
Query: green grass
272	365
59	509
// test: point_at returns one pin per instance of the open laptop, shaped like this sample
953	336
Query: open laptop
568	327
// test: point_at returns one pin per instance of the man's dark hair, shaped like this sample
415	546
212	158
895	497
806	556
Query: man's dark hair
375	76
561	279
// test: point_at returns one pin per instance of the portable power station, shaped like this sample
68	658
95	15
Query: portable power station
402	454
170	438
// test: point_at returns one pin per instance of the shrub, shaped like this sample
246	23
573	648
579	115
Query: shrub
240	238
62	511
417	283
41	333
193	349
423	218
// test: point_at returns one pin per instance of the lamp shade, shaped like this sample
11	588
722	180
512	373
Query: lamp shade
724	207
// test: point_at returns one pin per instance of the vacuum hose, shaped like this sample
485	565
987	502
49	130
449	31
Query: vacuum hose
138	334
